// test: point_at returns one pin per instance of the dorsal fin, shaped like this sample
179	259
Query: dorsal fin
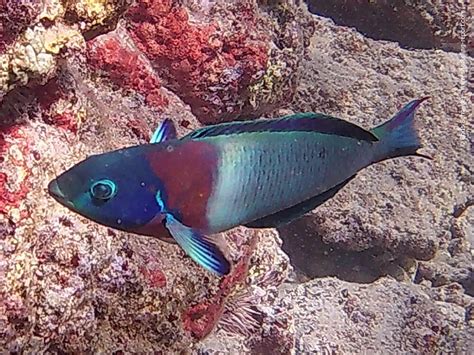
165	131
300	122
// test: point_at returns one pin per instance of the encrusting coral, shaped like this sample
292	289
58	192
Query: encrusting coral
69	91
79	78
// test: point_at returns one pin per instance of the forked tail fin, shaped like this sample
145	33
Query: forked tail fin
398	136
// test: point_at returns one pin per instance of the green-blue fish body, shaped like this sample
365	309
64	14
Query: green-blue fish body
271	173
261	173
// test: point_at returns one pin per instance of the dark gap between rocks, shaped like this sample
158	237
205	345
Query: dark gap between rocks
312	258
382	20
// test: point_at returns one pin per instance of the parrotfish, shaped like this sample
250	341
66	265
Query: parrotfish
259	174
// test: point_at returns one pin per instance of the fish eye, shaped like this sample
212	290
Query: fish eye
103	189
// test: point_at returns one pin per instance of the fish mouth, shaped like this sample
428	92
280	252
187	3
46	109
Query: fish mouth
55	191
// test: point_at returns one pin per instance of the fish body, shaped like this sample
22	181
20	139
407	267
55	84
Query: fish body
256	177
259	173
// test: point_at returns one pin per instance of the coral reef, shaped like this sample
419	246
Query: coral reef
67	284
216	66
78	280
15	17
33	55
125	68
14	148
95	16
33	33
82	77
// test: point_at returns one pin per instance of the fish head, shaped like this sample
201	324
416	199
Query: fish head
116	189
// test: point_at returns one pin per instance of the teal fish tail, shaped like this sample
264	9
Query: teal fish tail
398	136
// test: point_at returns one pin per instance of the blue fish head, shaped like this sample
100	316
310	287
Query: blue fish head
116	189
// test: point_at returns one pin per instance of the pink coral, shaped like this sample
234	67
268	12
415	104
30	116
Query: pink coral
209	70
49	96
125	68
154	276
11	198
201	318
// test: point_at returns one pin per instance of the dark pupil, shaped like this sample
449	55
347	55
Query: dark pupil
102	191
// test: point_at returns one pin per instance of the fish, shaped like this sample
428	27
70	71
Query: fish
260	174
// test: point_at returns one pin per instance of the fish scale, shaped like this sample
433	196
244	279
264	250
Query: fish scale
262	173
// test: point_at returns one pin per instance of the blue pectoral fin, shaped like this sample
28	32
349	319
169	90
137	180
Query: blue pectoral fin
165	131
201	250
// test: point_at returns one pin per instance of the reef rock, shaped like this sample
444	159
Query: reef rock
445	24
408	219
83	77
395	215
384	317
403	208
397	211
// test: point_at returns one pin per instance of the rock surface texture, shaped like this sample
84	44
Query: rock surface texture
438	24
384	267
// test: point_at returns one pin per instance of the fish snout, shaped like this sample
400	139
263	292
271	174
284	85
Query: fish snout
54	190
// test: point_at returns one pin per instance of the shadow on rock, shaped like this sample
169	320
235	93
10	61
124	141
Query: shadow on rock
312	258
391	20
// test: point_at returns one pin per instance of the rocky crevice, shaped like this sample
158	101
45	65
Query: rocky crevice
413	24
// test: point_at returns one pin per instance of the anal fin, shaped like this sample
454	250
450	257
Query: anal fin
286	216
